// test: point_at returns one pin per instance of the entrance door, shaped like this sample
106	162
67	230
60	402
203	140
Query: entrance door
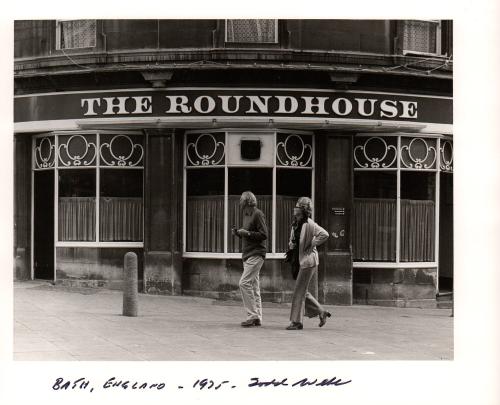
43	231
446	233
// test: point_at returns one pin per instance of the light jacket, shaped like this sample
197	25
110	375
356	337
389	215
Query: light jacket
311	236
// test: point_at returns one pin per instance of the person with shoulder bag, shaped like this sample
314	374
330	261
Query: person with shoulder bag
302	255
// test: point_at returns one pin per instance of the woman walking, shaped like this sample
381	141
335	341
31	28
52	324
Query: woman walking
305	236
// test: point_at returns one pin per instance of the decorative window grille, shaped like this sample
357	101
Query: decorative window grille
294	150
252	31
205	149
446	157
73	34
421	37
44	153
418	153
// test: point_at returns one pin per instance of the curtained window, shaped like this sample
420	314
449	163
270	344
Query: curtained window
374	216
77	200
205	210
420	36
417	216
252	31
290	185
260	182
120	208
276	166
77	34
100	187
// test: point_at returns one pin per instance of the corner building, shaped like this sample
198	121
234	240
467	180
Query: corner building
140	135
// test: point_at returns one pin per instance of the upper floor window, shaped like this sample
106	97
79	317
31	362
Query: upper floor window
252	31
421	36
73	34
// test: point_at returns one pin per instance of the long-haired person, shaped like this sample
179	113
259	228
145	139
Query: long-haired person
305	236
254	247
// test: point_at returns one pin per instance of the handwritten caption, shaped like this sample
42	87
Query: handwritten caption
207	384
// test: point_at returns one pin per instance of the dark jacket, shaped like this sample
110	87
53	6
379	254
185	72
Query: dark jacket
255	244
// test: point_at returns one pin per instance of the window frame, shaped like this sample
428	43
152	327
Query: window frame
227	131
58	37
439	50
276	35
97	243
440	141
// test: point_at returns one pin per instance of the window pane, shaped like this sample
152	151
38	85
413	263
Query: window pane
417	216
77	34
205	210
374	216
420	36
251	31
121	209
290	185
259	182
77	205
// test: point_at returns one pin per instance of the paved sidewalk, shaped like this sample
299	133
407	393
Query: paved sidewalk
57	323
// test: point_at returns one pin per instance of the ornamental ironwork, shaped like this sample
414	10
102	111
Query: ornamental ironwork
294	151
120	151
44	153
77	150
418	153
375	153
205	150
446	150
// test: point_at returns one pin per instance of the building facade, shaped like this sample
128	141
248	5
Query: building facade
140	135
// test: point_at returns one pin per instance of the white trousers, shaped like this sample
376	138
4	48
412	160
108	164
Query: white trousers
249	286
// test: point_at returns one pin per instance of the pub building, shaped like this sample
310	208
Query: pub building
141	135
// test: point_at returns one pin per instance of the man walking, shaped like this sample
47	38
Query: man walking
254	247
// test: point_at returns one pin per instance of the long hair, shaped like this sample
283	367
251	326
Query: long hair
248	199
305	204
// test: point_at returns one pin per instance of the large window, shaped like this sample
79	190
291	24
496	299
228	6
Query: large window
99	190
252	31
395	197
219	166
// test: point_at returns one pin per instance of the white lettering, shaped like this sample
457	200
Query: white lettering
294	104
91	102
319	104
409	109
362	109
143	105
388	109
115	102
178	104
259	101
336	106
225	103
198	104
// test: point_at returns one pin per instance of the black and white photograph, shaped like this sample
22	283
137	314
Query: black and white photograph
263	207
233	183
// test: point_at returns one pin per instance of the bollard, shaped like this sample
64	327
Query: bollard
130	295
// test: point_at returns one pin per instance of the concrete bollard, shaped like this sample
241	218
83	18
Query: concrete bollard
130	294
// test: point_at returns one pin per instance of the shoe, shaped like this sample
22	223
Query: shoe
295	326
251	322
322	318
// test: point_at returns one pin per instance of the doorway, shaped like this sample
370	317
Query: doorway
446	233
43	225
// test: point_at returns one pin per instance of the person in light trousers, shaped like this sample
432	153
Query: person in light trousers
305	236
254	248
